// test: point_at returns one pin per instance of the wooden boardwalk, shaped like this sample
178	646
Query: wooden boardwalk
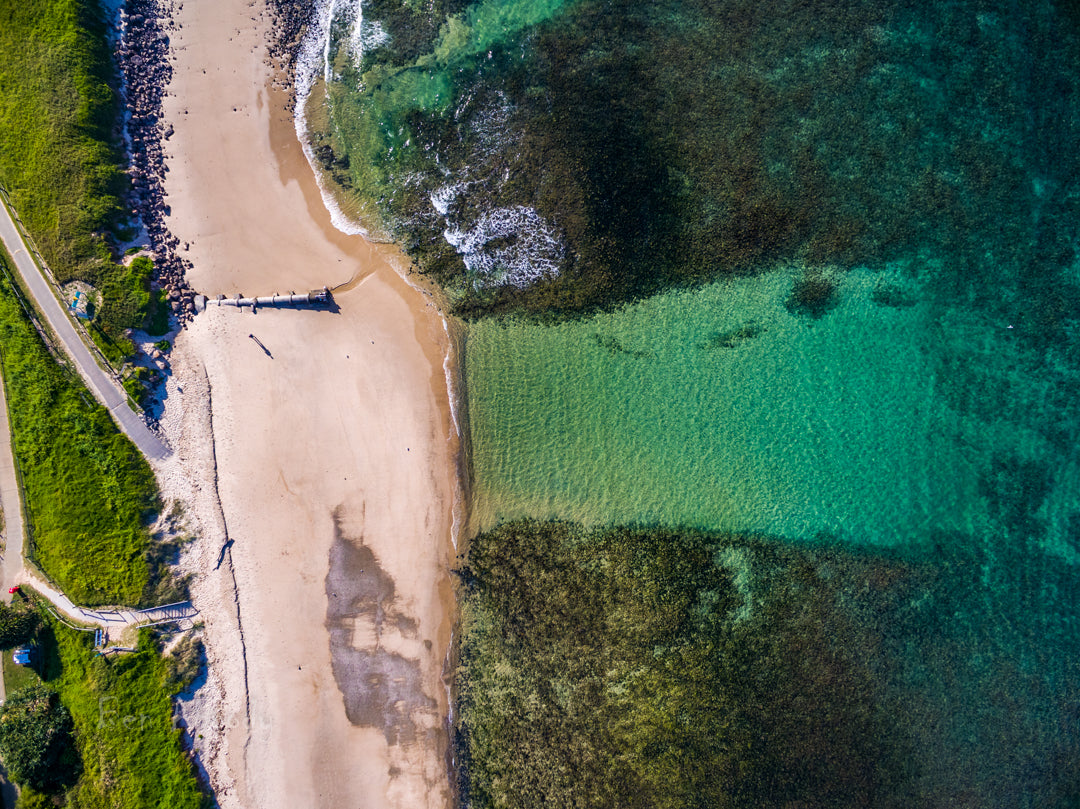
119	618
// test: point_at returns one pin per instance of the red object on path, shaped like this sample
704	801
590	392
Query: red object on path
14	589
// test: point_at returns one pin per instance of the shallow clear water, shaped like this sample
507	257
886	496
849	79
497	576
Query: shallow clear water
921	158
931	433
720	409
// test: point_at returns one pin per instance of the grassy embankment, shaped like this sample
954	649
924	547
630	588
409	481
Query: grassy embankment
657	668
60	161
129	753
90	493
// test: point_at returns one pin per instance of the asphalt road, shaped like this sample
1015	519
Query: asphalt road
99	382
11	564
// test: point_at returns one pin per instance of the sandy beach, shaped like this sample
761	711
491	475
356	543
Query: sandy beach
322	564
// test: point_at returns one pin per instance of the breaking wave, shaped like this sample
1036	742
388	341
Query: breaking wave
314	60
512	245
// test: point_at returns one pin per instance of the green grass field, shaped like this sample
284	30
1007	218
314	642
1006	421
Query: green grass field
16	676
59	158
56	117
131	753
89	491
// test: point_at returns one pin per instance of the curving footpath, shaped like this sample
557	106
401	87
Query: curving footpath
11	563
14	572
99	382
118	619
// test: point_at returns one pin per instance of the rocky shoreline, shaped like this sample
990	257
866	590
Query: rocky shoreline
142	56
290	21
143	59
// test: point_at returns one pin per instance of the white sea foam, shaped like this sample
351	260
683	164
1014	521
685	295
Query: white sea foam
447	666
366	36
490	126
528	247
509	245
314	59
458	507
363	35
443	197
317	49
448	367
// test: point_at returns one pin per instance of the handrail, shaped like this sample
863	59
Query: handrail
52	611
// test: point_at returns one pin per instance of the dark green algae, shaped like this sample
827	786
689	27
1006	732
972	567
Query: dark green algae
676	143
673	144
643	667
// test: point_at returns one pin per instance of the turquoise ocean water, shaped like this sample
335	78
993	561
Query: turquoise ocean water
930	414
934	436
918	164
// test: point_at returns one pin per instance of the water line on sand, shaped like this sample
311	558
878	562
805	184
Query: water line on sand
313	60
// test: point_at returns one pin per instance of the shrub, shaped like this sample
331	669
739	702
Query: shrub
31	799
36	741
185	663
17	625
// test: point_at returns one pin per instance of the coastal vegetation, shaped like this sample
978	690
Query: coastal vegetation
123	720
18	624
93	731
36	742
814	294
61	162
637	667
129	301
90	494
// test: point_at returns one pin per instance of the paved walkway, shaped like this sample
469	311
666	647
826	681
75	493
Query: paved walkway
100	383
118	619
11	562
64	605
11	504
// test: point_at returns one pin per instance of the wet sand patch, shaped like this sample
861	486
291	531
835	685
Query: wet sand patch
381	687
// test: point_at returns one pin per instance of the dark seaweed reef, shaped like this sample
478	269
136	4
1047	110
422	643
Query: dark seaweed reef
639	667
655	668
674	143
